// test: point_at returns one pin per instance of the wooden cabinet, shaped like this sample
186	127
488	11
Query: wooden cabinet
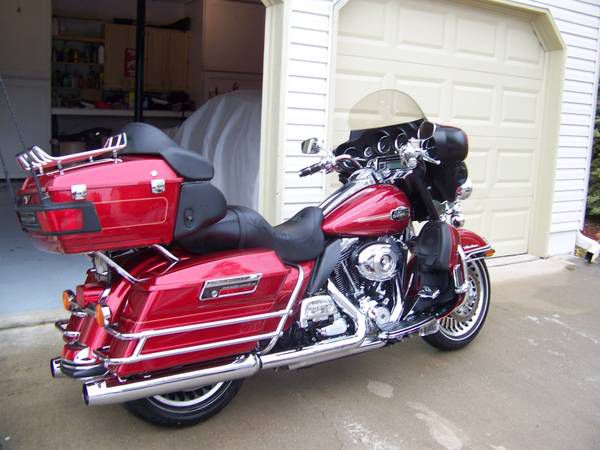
177	68
156	61
119	55
166	59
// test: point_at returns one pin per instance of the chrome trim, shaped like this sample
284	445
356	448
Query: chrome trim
117	268
166	253
470	255
137	357
36	158
403	332
194	327
113	390
230	283
460	288
288	310
61	325
55	368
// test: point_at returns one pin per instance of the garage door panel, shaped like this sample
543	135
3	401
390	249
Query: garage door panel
355	15
471	67
504	221
472	102
523	47
454	34
519	108
476	37
413	35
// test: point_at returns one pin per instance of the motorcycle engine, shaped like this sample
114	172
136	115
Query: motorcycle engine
367	273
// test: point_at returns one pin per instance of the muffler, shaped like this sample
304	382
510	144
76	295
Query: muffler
112	390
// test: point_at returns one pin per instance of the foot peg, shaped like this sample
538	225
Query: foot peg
427	293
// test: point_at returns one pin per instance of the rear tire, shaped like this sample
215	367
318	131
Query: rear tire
461	327
185	408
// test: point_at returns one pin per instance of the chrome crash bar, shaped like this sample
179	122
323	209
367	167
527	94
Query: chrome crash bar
143	336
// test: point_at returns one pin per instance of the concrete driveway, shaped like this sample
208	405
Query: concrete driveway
530	381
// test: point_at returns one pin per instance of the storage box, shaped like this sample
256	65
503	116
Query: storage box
104	204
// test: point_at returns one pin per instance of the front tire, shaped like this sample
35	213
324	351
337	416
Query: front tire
185	408
461	327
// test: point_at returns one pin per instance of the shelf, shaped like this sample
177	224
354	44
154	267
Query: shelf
65	63
88	39
117	113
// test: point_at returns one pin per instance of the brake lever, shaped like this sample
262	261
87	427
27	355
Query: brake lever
430	160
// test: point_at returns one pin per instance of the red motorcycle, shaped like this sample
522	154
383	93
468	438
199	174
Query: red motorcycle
187	296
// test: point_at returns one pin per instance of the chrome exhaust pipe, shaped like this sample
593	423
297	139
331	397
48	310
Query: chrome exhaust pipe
55	370
112	390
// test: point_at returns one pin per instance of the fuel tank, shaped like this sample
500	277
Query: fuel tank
377	210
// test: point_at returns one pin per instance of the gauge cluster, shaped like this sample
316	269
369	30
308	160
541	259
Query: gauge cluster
371	144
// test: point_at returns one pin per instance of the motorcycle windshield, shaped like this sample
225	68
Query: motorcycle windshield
384	108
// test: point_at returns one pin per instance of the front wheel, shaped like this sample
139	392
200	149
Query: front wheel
185	408
461	326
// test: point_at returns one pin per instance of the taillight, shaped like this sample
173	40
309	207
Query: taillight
67	298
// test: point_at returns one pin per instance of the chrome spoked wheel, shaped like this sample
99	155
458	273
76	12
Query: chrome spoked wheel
189	398
461	326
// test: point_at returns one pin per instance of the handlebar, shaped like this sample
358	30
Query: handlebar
410	154
313	168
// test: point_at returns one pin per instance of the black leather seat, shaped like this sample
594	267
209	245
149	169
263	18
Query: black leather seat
145	139
298	239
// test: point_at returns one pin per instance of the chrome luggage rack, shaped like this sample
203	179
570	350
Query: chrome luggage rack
36	158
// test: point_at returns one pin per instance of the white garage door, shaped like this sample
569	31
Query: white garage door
467	66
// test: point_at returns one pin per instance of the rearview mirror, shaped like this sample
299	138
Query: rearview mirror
311	146
426	130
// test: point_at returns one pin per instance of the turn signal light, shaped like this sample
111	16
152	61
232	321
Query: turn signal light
489	253
102	315
67	298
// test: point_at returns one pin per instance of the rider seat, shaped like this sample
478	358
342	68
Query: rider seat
298	239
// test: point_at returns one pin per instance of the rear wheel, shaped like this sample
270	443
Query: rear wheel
460	327
185	408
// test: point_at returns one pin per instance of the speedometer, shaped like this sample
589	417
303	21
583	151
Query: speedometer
384	144
401	140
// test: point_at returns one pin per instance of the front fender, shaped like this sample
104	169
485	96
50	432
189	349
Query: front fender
474	245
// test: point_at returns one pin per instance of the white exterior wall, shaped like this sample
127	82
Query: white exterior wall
307	101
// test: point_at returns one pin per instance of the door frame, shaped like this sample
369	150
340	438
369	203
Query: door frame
547	32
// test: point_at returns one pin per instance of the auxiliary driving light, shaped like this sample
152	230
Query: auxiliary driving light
102	315
67	299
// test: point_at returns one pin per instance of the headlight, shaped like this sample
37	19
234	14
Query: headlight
465	190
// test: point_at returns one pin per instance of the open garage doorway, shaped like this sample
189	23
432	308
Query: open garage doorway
69	68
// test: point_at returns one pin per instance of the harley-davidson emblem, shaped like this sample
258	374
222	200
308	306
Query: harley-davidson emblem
399	213
226	287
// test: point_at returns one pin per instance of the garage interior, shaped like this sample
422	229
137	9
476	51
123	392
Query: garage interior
69	69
